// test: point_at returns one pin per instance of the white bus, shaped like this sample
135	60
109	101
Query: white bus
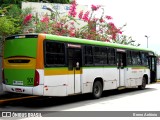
50	65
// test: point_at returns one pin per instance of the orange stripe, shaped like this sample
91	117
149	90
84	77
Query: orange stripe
11	99
40	58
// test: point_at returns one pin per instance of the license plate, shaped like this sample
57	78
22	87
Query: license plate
17	82
18	89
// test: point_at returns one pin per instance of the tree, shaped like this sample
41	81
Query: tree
8	23
125	40
6	27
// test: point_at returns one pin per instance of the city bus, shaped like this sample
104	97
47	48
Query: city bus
50	65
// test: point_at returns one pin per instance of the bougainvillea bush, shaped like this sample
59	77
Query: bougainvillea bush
101	29
95	28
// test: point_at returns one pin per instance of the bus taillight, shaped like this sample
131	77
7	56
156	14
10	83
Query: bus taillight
36	78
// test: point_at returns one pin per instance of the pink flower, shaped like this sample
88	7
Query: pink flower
109	17
94	8
107	40
72	34
72	23
80	14
101	20
72	10
95	19
119	31
45	19
86	16
114	36
27	19
111	25
71	29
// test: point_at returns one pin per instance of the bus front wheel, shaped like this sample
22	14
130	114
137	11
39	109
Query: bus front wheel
144	82
97	89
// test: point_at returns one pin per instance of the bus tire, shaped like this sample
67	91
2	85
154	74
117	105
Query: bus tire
144	82
97	90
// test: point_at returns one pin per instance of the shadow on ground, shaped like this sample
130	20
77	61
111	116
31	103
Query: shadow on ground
62	103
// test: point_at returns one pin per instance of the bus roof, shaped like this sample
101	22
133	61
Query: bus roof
92	42
81	41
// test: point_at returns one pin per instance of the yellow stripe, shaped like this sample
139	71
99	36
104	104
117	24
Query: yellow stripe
48	72
12	99
158	80
140	68
30	65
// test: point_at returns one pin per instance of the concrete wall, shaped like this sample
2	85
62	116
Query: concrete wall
63	9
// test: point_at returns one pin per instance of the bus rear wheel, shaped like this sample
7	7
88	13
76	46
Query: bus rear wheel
97	90
144	82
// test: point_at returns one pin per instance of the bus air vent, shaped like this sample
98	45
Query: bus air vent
18	61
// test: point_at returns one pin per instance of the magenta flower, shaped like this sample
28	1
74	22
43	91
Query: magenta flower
80	14
101	20
86	16
72	23
95	19
94	8
109	17
72	10
119	31
111	25
27	19
45	19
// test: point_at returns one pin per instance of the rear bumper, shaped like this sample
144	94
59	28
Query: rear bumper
37	90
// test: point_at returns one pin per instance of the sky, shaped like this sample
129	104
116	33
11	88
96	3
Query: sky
141	16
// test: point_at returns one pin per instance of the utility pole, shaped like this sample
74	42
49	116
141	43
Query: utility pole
147	39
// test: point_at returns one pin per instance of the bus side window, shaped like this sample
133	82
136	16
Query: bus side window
88	55
136	59
54	54
129	58
100	55
144	57
111	56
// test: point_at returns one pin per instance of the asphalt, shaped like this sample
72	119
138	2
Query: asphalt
4	96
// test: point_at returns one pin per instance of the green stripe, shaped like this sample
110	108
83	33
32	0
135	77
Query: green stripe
138	67
91	67
20	47
92	42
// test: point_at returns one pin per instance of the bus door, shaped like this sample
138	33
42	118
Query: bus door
153	68
121	64
74	67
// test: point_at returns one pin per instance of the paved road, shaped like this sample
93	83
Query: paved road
124	100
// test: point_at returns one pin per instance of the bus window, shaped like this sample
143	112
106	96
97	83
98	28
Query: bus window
54	54
129	58
136	59
88	55
144	57
111	56
100	55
